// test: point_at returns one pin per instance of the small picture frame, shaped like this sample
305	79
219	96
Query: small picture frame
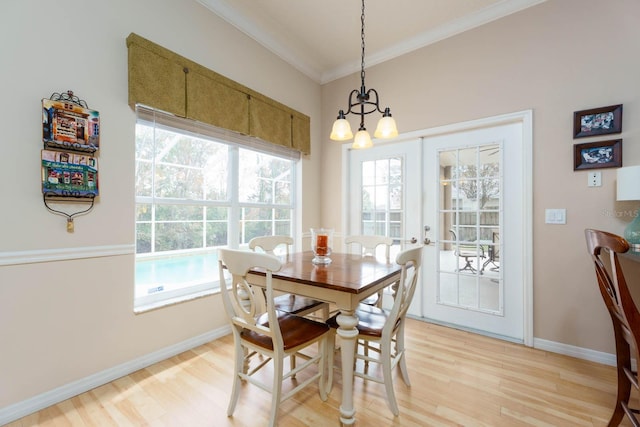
597	121
597	155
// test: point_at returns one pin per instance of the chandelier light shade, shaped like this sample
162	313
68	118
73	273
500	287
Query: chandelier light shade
362	140
363	102
341	129
386	126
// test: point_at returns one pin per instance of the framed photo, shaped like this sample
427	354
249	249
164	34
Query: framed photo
597	121
597	155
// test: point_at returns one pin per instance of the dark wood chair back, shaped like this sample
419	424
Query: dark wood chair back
623	311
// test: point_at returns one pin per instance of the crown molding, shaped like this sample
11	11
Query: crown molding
233	16
303	61
471	21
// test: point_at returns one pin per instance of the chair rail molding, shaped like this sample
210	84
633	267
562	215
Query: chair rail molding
64	254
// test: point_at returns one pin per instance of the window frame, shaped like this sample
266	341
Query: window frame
235	142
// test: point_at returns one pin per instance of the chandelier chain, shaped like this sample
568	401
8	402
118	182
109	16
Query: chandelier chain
362	37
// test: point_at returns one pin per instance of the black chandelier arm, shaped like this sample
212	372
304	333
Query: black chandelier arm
362	101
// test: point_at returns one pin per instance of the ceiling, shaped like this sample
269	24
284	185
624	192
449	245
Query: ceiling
321	38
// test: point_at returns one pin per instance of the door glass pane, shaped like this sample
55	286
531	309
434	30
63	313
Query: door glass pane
382	194
490	160
467	161
470	209
395	198
395	171
382	171
382	197
489	194
368	198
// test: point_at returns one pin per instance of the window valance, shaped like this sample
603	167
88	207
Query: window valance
164	80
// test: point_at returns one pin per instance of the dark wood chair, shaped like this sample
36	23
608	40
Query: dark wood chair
624	315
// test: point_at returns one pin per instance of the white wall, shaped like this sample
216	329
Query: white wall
554	58
70	318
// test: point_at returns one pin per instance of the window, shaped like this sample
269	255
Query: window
199	188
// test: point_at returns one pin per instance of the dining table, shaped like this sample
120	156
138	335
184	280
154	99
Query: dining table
345	282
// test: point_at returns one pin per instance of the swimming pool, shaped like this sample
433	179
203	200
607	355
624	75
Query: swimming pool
162	274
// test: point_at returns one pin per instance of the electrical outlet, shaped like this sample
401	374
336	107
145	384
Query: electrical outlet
595	179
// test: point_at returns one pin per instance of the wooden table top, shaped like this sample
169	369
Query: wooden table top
349	273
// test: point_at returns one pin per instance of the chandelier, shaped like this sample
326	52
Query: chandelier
363	102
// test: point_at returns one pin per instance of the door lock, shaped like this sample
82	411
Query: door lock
426	238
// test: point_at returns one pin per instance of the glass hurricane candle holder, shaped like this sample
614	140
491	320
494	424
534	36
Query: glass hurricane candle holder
321	244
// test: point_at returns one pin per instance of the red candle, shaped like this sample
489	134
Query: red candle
321	244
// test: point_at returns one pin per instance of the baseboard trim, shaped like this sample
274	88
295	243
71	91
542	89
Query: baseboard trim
67	391
546	345
578	352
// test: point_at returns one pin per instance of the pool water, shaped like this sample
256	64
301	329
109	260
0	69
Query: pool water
170	273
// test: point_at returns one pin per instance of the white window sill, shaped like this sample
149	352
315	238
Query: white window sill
173	301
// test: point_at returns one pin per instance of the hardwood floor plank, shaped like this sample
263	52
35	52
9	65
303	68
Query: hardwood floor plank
458	379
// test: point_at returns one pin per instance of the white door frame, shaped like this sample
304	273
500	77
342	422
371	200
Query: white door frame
524	117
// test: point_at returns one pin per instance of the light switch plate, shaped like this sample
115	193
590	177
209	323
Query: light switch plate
555	216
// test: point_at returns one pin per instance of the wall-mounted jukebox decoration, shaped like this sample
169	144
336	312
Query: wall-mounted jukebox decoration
71	137
69	174
68	126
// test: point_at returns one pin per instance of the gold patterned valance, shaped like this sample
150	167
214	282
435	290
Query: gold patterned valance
162	79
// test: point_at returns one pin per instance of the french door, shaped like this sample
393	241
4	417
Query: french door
466	188
384	198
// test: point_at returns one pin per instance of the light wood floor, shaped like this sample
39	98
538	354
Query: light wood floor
458	379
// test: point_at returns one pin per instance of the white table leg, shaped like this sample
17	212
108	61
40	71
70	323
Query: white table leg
348	333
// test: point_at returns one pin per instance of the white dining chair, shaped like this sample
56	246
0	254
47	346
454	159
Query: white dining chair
367	245
259	329
289	303
383	331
